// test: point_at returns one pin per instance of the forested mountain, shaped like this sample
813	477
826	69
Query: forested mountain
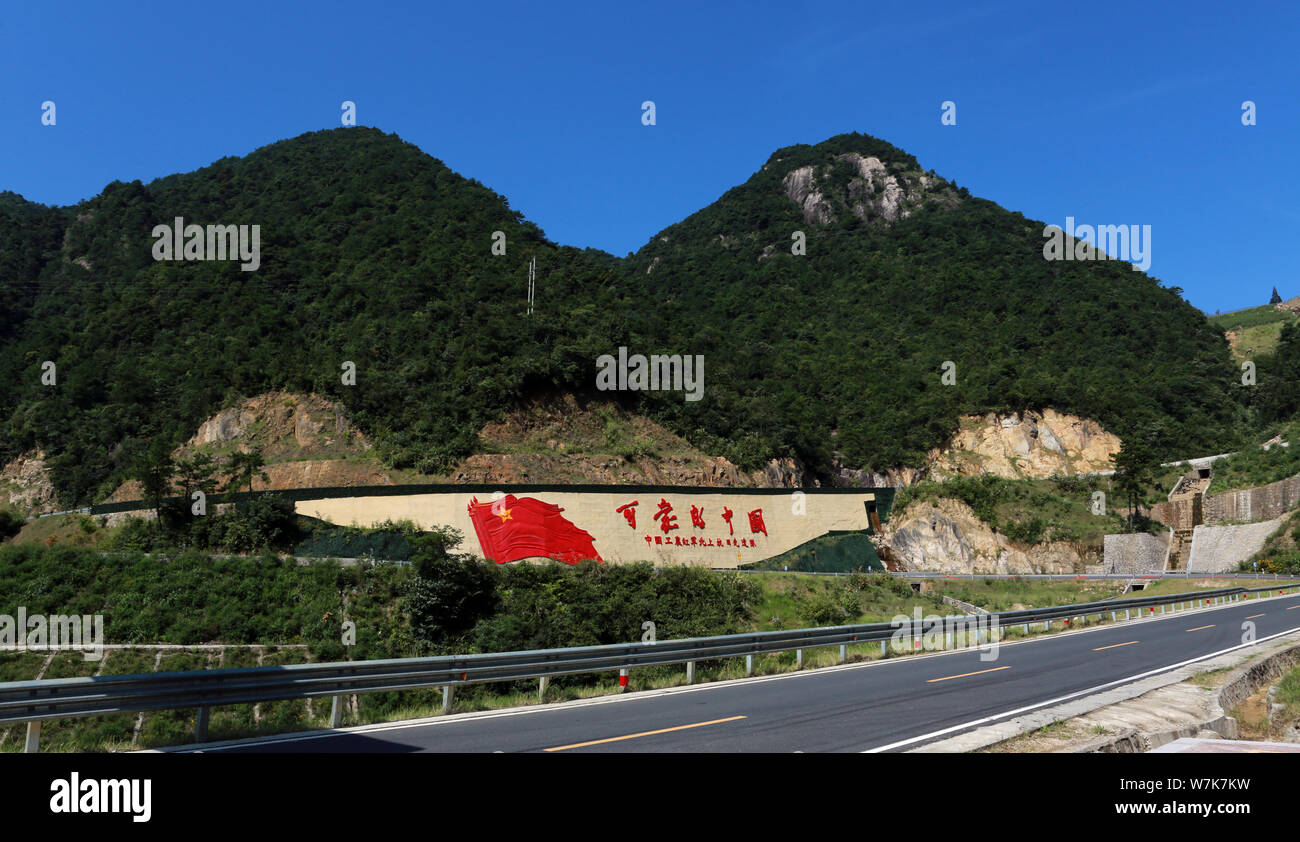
844	347
375	253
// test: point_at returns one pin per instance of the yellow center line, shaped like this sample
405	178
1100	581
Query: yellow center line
965	674
1113	645
1253	616
646	733
1198	628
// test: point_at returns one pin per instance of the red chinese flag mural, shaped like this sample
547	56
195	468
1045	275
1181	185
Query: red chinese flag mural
513	528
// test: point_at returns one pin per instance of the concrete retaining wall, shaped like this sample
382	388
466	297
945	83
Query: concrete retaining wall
1139	553
1250	504
1218	549
1181	512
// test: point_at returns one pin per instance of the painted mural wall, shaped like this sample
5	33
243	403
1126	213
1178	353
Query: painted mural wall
712	527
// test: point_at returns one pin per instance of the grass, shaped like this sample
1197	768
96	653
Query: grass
1257	329
1165	587
73	530
1255	466
1210	678
1250	317
1254	719
1013	594
1256	341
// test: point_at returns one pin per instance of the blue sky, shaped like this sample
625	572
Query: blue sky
1113	113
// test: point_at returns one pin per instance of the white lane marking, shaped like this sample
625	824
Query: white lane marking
1090	690
667	691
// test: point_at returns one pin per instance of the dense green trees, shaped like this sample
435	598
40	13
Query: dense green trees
377	255
457	603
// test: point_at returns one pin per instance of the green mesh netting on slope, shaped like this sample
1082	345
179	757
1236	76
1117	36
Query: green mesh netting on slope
834	552
346	543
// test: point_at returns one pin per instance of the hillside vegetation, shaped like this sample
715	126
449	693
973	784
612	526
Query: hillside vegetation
376	254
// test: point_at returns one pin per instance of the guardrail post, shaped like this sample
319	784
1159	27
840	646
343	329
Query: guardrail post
201	726
541	689
690	672
336	712
749	665
882	649
1026	629
798	659
1112	616
1126	614
1047	625
844	652
448	693
33	743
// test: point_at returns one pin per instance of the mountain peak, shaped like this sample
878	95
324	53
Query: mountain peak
862	185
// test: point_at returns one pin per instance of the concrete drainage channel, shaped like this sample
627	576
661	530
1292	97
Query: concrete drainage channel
1252	669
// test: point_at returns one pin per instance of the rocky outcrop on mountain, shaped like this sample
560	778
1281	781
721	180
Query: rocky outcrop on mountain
894	477
866	188
25	484
1030	446
1033	445
1291	305
559	440
283	424
947	537
564	440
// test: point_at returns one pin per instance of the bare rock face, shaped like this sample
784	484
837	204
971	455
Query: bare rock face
227	425
25	484
798	186
946	537
1032	446
872	192
893	477
786	473
931	537
283	425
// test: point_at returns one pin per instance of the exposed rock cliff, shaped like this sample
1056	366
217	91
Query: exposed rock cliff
869	191
1030	446
309	442
25	484
947	537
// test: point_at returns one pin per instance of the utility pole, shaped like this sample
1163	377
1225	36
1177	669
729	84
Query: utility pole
532	283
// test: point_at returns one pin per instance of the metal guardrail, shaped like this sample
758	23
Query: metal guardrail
934	574
1155	574
34	701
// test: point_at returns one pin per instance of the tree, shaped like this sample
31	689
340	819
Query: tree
196	474
154	472
1135	467
10	524
452	591
244	467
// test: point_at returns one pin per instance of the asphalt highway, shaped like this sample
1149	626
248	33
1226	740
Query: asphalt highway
889	705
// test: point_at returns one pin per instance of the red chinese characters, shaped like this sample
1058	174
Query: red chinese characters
667	520
628	511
